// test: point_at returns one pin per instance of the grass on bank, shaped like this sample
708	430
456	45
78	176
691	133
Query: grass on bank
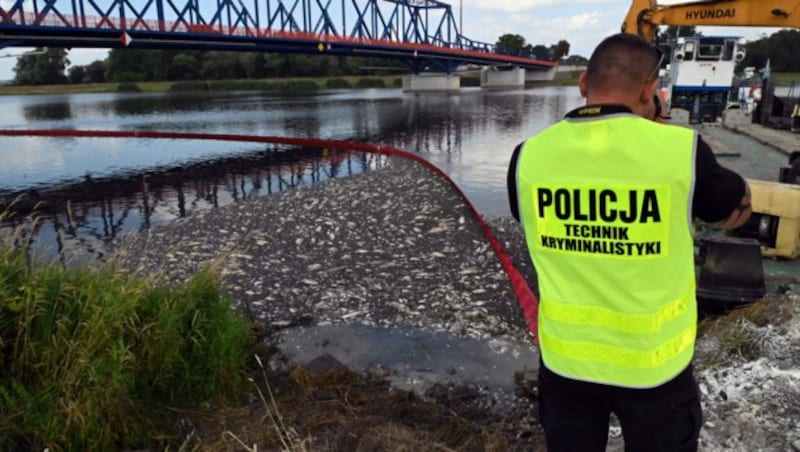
738	333
561	79
89	359
289	84
100	360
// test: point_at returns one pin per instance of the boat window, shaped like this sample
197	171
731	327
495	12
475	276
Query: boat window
682	98
709	51
688	51
712	97
730	46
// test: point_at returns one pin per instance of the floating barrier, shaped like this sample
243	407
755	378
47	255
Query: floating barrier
525	296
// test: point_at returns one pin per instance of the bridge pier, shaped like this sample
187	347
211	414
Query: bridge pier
532	75
429	82
494	77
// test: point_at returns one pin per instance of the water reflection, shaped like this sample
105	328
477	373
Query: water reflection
91	212
48	111
137	105
441	124
119	184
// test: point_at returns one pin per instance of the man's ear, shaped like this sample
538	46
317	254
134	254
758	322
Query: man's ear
646	94
582	84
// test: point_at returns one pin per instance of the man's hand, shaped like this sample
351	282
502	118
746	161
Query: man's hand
740	214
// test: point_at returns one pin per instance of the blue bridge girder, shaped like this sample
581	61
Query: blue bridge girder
422	33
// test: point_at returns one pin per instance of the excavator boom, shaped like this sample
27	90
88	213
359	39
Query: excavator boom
776	215
645	16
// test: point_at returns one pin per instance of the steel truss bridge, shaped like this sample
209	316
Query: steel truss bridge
423	34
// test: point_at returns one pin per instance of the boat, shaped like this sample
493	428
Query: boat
701	74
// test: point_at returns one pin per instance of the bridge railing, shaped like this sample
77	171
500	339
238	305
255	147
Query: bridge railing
460	46
116	23
410	21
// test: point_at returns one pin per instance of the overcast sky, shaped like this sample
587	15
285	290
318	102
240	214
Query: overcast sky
581	22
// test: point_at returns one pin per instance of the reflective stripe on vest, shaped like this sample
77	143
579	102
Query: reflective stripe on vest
606	207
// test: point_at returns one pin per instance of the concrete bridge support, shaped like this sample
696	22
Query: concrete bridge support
532	75
493	77
417	83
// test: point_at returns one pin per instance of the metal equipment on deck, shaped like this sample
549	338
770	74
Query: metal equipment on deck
776	218
730	273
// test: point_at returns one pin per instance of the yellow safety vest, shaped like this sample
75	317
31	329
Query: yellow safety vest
606	207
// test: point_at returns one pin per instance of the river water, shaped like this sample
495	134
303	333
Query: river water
96	188
115	185
88	190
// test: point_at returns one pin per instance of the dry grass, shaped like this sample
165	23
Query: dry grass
737	334
765	311
339	410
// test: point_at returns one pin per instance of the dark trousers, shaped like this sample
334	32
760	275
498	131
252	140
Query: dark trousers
575	414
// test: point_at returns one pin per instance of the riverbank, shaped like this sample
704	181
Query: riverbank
397	249
284	84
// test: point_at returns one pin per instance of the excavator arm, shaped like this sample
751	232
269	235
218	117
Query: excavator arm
776	207
645	16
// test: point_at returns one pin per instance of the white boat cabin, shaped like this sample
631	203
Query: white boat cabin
701	75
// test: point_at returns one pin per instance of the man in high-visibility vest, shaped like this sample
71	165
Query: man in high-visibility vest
607	199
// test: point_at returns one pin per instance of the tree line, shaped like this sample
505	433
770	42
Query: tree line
47	66
780	48
514	44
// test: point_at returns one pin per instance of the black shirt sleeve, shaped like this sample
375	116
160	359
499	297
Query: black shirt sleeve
717	190
511	181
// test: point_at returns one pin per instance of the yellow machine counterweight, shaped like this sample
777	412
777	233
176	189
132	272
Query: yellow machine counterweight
776	218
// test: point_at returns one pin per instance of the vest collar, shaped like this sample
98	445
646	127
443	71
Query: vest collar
599	111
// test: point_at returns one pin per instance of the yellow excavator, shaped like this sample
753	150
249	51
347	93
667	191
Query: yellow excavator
776	206
645	16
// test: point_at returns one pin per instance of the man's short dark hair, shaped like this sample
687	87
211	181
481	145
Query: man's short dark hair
621	61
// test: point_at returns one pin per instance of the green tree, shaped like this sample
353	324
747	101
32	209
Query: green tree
254	64
539	51
44	66
127	65
780	49
221	65
76	74
559	50
574	60
672	32
138	65
510	44
95	72
184	67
